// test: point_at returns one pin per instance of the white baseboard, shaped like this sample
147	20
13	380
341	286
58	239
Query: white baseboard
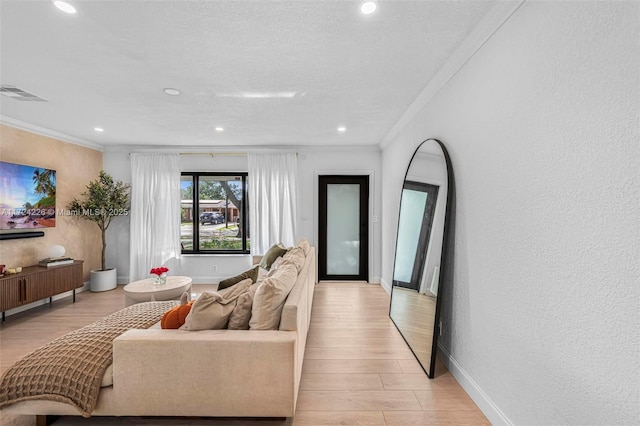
385	286
375	280
479	396
85	287
207	279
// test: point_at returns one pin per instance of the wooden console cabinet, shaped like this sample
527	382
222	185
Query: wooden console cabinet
39	282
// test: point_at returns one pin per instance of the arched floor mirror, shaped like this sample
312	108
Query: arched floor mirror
420	255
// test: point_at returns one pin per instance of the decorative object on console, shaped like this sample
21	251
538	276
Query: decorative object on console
104	200
161	274
56	250
55	257
55	261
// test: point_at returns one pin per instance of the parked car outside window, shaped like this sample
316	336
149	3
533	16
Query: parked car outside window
211	217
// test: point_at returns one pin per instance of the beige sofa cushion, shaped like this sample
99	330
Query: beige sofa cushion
270	297
274	267
211	310
304	245
241	315
296	257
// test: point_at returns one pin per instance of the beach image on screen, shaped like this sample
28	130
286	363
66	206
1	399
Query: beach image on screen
27	197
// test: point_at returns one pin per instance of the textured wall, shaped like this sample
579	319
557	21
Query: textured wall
542	127
75	166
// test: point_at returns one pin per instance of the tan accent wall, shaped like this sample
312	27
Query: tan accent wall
75	166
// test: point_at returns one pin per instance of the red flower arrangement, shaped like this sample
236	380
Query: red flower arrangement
159	270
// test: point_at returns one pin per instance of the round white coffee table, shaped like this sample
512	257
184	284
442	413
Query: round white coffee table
146	291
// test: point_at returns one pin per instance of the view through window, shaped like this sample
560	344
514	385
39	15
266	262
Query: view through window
214	213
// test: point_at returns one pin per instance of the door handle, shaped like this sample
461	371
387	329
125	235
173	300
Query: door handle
20	298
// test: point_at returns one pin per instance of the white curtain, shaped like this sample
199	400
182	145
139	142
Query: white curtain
155	212
272	200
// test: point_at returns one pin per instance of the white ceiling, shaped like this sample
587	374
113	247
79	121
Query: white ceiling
106	66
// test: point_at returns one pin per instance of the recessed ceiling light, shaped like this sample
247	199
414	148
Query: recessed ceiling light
219	129
172	92
98	129
367	7
64	6
342	129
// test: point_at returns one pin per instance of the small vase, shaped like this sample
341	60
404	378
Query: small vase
160	279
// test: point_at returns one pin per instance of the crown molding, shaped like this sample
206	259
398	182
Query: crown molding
465	51
23	125
240	149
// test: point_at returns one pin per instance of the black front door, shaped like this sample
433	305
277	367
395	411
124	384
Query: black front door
343	249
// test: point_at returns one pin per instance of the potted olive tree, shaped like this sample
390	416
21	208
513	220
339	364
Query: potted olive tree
104	200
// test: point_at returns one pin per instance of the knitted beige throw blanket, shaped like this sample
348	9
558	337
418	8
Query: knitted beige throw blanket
70	368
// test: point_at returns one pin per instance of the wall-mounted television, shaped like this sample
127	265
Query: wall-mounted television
27	197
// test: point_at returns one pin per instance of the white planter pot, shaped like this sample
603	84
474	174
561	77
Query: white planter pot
104	280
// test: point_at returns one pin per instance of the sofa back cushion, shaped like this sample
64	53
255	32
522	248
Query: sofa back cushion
296	257
304	245
211	310
270	297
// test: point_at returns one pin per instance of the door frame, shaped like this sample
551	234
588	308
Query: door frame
426	226
364	179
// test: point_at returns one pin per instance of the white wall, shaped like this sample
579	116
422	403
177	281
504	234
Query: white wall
311	163
541	318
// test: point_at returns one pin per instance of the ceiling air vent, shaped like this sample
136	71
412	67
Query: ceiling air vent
19	94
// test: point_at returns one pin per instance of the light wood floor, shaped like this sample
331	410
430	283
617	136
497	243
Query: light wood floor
414	313
357	369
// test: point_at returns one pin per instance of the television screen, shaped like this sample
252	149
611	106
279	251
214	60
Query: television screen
27	197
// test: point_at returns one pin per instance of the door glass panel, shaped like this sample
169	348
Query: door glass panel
343	234
411	216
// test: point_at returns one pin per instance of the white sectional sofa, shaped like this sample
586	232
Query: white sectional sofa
216	373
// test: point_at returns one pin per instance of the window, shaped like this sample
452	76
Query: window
214	213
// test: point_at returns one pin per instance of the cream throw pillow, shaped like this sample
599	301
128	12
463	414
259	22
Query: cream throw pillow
274	267
211	310
296	257
241	315
304	245
270	297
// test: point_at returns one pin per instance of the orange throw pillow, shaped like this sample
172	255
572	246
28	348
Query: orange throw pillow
175	317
